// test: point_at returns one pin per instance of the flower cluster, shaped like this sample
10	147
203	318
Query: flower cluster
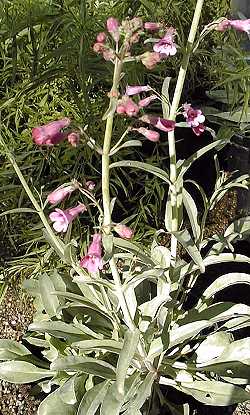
52	133
194	118
129	32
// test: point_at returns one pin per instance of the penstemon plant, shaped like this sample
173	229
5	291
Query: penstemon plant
112	331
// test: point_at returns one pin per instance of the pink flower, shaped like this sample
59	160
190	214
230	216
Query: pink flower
166	45
101	37
113	28
98	47
90	185
194	118
127	106
160	123
151	26
240	25
150	59
50	134
60	194
62	218
149	134
93	260
146	101
108	54
124	231
74	138
137	89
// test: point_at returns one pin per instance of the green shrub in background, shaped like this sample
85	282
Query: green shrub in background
113	329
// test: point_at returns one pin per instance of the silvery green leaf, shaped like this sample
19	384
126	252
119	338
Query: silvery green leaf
22	372
240	226
12	350
67	391
165	96
53	405
131	340
136	249
111	346
187	331
58	329
224	281
49	300
161	256
143	392
214	393
213	346
186	241
18	210
199	153
131	299
156	171
112	402
93	399
86	365
192	212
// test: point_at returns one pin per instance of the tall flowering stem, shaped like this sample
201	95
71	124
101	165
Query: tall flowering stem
175	200
106	193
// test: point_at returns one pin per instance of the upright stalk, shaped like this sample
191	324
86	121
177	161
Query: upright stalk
106	194
175	206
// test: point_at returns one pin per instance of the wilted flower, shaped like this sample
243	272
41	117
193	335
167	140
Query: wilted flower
194	118
124	231
90	185
166	45
62	218
160	123
150	59
50	134
113	28
137	89
146	101
74	138
152	26
127	106
149	134
93	260
240	25
60	194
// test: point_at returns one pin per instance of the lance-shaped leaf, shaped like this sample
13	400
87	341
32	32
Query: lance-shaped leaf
240	226
214	393
192	212
112	402
22	372
85	364
156	171
50	301
53	405
143	392
111	346
93	399
131	339
12	350
186	241
213	346
165	97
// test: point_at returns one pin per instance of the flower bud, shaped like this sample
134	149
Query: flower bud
149	134
137	89
101	37
152	26
113	28
60	194
90	185
74	138
146	101
124	231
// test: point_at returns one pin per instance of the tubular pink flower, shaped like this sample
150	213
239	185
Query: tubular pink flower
90	185
160	123
149	134
146	101
62	218
137	89
166	45
150	59
127	106
113	28
74	138
50	134
240	25
101	37
124	231
152	26
60	194
93	260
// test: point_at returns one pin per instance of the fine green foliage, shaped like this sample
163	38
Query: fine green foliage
108	337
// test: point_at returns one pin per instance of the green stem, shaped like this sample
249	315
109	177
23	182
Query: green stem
172	116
